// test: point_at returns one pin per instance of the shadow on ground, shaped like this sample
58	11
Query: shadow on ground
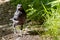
35	32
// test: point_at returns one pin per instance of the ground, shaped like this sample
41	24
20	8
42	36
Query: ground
25	37
6	33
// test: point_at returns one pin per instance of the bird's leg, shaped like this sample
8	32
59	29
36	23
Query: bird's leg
21	31
14	28
21	27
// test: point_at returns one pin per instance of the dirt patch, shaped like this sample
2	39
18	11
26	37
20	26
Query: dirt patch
25	37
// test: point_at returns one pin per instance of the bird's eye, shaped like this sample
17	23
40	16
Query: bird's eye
20	6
